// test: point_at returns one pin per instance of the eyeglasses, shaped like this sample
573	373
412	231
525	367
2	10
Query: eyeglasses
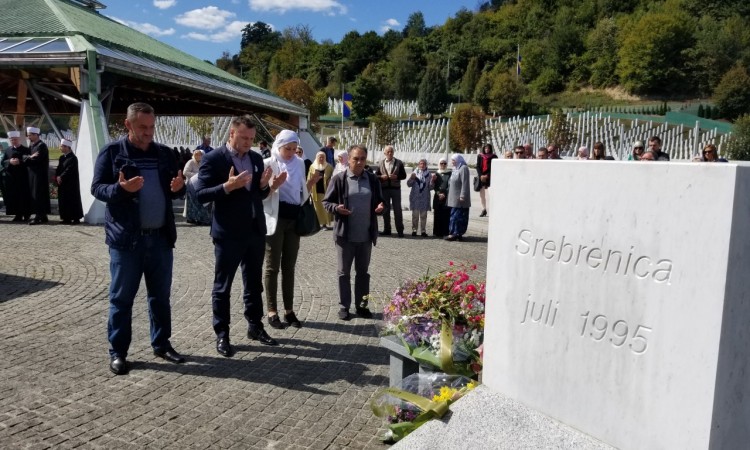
442	163
637	148
708	151
519	153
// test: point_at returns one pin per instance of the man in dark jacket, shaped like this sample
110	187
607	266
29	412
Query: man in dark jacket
354	198
390	172
15	179
37	164
234	179
137	179
68	187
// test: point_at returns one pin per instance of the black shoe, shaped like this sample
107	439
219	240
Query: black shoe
400	234
413	233
18	219
74	222
170	355
275	322
118	365
459	238
424	234
344	315
385	233
292	320
484	213
224	348
35	221
260	335
364	312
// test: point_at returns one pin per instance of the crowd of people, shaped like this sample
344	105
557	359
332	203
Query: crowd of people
252	201
25	180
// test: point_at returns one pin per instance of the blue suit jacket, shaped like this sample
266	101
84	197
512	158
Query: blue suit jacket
239	214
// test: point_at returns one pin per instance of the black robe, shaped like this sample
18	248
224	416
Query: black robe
15	183
69	189
38	168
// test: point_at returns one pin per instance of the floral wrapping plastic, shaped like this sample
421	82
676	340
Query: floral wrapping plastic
440	319
417	399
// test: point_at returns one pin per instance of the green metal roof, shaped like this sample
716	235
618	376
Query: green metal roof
51	18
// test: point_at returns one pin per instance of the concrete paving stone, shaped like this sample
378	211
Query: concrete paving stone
53	314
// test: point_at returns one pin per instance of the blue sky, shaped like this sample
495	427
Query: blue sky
206	28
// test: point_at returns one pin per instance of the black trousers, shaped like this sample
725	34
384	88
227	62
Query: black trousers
248	256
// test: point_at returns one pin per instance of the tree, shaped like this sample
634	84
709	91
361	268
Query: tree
366	95
296	90
415	26
467	128
506	94
259	33
482	91
732	95
201	125
405	64
601	54
226	63
433	96
386	129
652	62
470	79
738	147
560	131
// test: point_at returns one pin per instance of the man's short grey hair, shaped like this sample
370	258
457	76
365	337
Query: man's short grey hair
138	107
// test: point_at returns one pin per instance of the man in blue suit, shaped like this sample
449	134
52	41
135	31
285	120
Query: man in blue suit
234	179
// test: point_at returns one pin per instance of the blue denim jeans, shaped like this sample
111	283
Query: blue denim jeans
151	258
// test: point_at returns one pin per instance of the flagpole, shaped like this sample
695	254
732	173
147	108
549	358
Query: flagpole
518	60
343	105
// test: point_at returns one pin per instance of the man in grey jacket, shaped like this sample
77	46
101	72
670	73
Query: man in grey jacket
354	198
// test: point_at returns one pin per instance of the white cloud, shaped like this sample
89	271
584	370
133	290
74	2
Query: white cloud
389	25
332	7
228	33
208	18
164	4
145	28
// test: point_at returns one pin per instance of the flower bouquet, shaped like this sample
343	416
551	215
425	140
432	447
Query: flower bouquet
440	319
417	399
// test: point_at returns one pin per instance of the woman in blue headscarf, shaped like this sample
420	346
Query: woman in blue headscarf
459	198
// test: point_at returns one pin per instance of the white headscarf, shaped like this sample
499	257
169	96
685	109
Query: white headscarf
291	190
342	165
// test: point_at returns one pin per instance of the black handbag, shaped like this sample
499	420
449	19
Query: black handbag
307	220
477	184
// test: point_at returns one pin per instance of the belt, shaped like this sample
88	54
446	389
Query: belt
150	231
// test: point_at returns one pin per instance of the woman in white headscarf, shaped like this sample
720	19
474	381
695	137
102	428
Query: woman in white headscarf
281	208
194	211
459	198
342	158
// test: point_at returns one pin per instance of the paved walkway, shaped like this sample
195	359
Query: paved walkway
311	392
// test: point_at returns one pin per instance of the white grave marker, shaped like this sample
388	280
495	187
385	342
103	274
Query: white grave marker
619	298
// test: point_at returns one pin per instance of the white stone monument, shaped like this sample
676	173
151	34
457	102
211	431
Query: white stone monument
619	298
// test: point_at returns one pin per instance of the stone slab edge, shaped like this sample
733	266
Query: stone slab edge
484	419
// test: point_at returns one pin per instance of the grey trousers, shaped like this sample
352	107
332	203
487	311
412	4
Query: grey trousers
359	253
392	200
282	248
